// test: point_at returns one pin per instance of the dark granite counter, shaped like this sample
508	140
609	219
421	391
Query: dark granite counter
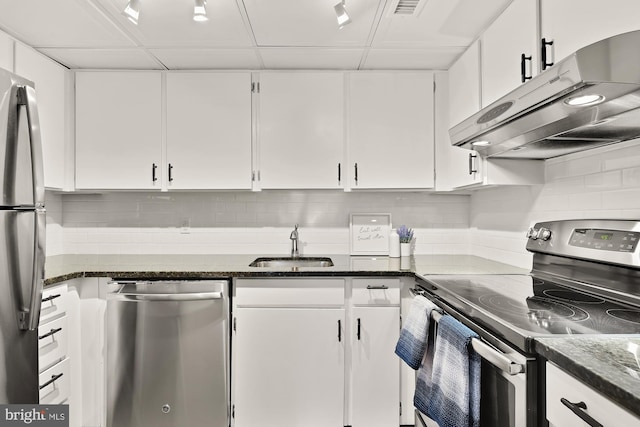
607	363
66	267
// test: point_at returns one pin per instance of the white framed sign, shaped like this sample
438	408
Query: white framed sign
369	233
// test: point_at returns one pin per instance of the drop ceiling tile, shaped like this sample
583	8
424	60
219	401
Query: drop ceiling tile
411	59
203	59
311	58
169	23
310	22
135	59
437	23
60	23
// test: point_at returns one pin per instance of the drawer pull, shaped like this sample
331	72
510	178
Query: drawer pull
577	408
377	287
53	379
51	298
50	333
358	329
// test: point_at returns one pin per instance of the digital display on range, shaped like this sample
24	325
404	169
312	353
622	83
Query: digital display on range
605	240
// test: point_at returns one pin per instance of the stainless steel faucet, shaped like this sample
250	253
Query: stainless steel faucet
294	243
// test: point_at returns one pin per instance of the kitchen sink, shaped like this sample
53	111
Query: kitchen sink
292	262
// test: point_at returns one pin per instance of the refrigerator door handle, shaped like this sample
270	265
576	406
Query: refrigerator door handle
29	317
27	97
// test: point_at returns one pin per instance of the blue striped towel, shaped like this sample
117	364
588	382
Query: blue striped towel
415	331
452	397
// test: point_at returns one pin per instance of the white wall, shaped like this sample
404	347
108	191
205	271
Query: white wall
55	232
601	183
252	222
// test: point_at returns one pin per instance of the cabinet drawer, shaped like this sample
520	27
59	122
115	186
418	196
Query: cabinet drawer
376	292
54	303
52	342
54	384
289	292
562	385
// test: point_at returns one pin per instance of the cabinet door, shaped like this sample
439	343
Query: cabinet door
376	368
50	83
289	367
510	36
572	24
209	131
6	52
301	129
118	130
391	130
464	85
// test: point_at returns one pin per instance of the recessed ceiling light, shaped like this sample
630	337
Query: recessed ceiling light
584	100
132	11
480	143
200	11
342	15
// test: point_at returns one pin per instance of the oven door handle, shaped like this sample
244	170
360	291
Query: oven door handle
496	358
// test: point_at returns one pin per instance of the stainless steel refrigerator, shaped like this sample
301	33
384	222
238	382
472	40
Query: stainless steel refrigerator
22	239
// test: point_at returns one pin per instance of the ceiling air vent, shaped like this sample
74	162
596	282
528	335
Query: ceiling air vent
406	7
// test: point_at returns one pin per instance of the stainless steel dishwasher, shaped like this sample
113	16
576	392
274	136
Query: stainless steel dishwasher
168	353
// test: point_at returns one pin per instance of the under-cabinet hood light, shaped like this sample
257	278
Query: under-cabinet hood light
342	15
584	100
132	11
480	143
200	11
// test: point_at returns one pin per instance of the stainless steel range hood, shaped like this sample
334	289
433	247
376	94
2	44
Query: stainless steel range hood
538	120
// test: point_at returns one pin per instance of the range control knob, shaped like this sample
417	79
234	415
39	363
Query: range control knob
532	233
544	234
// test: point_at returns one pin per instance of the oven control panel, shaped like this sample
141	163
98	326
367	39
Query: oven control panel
605	240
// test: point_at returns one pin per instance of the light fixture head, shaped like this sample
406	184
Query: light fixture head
584	100
342	15
132	11
480	143
200	11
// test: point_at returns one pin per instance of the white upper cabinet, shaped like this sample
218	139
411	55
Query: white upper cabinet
509	52
50	81
464	90
390	130
118	130
6	52
208	130
301	129
572	24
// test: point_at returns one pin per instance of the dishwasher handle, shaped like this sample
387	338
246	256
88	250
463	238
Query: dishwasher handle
195	296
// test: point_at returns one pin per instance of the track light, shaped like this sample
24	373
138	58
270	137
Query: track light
200	11
341	13
132	11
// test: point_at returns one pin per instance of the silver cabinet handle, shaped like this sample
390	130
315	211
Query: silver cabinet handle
472	168
196	296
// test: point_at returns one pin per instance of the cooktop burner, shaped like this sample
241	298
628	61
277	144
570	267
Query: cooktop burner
522	306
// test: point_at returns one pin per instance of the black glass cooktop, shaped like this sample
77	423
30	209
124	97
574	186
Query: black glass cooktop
519	307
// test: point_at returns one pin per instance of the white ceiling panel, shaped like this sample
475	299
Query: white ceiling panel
311	58
59	23
310	22
203	59
135	59
169	23
411	59
437	23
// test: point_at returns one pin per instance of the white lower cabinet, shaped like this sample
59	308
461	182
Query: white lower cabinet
565	391
289	367
53	360
296	362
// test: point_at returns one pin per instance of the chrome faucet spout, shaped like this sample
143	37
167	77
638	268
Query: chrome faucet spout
294	242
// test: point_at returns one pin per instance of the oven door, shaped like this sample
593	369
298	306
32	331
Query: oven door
508	378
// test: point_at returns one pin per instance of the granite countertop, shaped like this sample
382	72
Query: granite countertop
65	267
608	363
